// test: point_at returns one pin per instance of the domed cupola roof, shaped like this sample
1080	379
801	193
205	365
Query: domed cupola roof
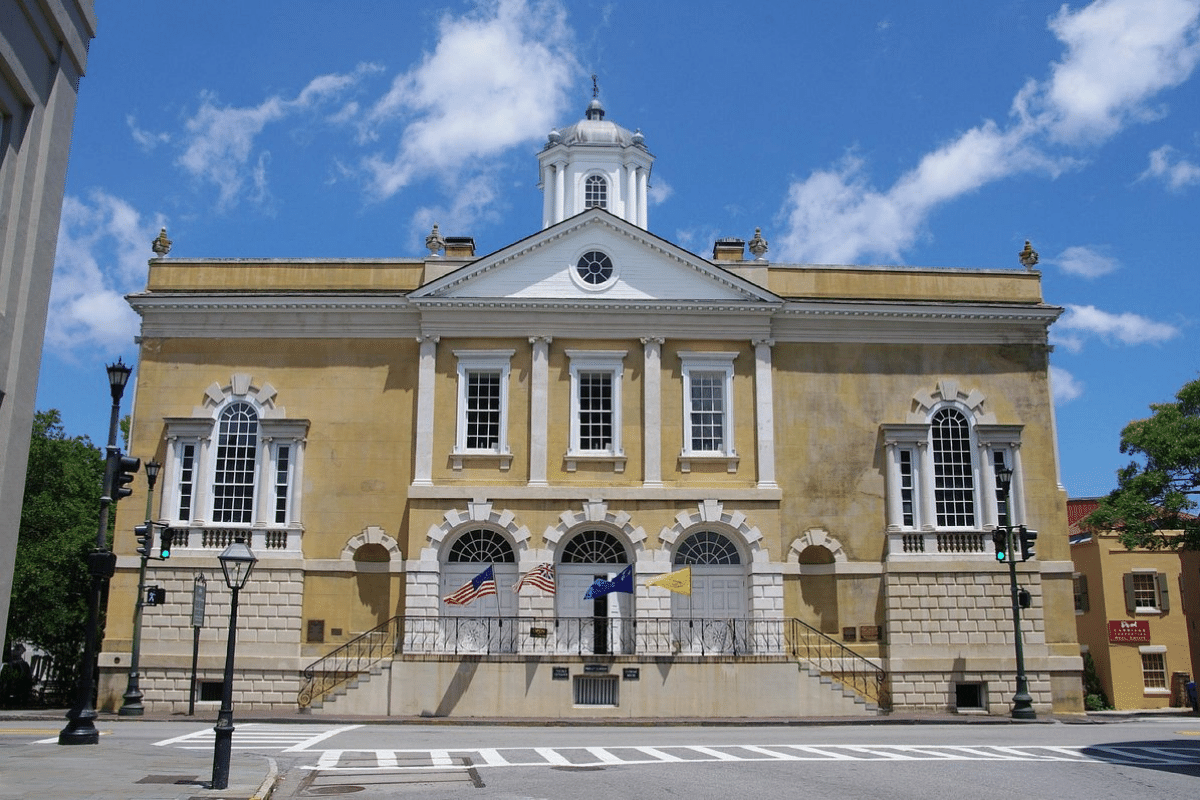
594	129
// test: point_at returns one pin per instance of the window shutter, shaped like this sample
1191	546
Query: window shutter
1164	603
1083	594
1130	603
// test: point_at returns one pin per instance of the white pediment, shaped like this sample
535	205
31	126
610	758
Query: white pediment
545	267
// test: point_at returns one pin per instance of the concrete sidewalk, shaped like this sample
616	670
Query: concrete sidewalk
120	766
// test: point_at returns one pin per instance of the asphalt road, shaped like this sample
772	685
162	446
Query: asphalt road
1156	757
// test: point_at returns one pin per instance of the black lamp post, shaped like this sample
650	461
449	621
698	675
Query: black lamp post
132	705
102	563
237	562
1022	702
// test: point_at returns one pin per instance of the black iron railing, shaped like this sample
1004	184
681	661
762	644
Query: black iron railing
838	662
352	659
591	636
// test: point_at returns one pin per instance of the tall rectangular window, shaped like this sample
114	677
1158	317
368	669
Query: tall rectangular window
283	458
908	514
595	411
1145	590
237	455
707	404
953	470
482	406
483	410
1154	670
707	411
1002	502
595	406
187	468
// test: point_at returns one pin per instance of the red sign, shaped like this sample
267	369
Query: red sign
1122	631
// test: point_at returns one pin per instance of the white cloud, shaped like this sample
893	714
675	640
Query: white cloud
1119	55
659	192
496	78
145	139
87	306
1175	175
1080	322
1087	262
1065	385
220	142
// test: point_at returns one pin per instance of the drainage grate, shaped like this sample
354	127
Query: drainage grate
596	690
173	780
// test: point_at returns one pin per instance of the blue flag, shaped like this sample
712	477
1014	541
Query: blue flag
622	583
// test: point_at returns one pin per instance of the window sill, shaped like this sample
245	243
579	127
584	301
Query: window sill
1148	612
687	459
616	459
457	459
1156	692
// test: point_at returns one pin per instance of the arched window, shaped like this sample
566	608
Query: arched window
707	547
237	455
594	547
953	469
595	192
481	546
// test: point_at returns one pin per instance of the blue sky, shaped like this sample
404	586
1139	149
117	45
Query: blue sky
921	133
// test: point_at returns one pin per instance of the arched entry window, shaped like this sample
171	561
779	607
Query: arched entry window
481	546
602	624
707	547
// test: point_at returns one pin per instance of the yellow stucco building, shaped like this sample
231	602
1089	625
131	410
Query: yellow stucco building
1135	616
818	444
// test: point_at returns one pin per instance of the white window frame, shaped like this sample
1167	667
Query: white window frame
1160	652
1160	590
917	535
587	361
200	434
479	361
720	363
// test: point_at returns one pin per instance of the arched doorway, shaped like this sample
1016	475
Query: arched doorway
713	618
603	624
484	625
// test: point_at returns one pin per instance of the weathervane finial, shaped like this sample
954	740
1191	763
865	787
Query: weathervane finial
595	86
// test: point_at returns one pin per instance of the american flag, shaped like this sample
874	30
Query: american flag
481	585
541	576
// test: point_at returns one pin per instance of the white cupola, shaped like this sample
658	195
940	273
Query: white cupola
592	163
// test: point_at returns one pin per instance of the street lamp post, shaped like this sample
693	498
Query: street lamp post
102	563
1022	702
132	705
237	561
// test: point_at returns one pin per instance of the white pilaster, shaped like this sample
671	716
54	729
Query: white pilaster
987	491
895	510
764	408
548	186
426	374
539	393
560	191
642	176
928	509
631	203
652	411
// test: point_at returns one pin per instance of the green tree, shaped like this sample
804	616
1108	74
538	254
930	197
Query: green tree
1153	505
61	510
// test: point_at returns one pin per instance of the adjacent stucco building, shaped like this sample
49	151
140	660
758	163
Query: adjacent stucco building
817	443
43	55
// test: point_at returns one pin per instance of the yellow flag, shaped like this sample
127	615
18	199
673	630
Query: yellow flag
679	582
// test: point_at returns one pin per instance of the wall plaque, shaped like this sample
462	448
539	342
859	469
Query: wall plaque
560	673
632	673
595	668
538	633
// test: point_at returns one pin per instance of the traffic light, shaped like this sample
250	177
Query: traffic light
1028	540
1000	540
164	549
145	537
126	466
